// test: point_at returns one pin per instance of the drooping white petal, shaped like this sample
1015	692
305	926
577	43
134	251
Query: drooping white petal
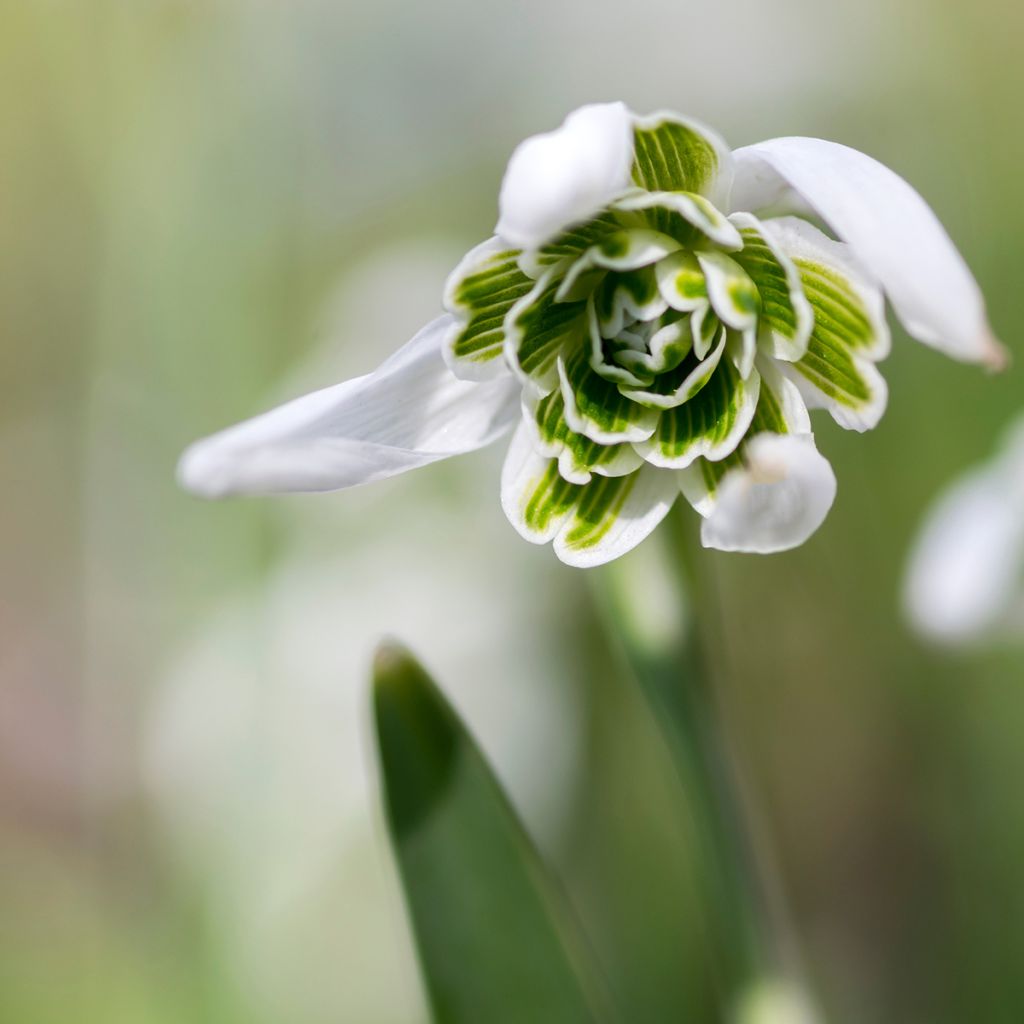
775	500
966	571
891	229
567	175
409	412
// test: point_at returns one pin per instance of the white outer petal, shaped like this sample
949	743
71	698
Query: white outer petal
409	412
966	571
567	175
775	501
891	229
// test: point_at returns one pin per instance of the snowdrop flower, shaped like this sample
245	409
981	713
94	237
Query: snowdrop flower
965	579
654	316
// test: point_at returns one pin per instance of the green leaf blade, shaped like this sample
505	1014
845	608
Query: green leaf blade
495	940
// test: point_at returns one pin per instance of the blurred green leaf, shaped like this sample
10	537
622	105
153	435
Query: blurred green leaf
496	940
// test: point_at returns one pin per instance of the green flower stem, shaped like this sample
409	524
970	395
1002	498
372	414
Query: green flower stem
671	635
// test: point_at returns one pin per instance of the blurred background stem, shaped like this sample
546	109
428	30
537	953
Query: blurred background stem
662	606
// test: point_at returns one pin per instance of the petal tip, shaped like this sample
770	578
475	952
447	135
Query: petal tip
995	356
200	471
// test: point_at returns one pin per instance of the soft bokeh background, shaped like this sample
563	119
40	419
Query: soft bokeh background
207	206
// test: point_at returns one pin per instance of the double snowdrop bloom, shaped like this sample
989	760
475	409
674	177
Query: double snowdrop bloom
965	579
654	316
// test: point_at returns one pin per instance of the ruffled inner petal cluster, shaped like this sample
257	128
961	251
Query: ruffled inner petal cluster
654	340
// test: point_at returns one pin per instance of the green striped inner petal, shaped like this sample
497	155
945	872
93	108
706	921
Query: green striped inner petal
669	343
689	218
705	326
786	316
551	499
842	329
769	416
633	294
481	292
538	328
711	424
840	314
671	156
603	353
596	511
578	456
682	281
621	252
733	294
681	383
568	245
596	408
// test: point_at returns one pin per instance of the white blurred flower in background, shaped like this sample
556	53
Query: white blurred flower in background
965	579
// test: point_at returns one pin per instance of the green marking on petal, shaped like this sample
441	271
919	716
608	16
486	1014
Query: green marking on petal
538	328
711	424
536	498
596	511
639	294
705	327
578	456
833	365
480	292
682	383
785	315
682	282
732	293
603	353
769	415
613	516
669	342
842	378
780	407
673	156
622	252
596	408
628	296
568	246
849	332
839	312
551	498
689	218
742	349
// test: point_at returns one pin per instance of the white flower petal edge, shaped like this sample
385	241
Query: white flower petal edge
966	570
890	228
409	412
564	176
775	501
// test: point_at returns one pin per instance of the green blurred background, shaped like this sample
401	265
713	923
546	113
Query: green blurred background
208	206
